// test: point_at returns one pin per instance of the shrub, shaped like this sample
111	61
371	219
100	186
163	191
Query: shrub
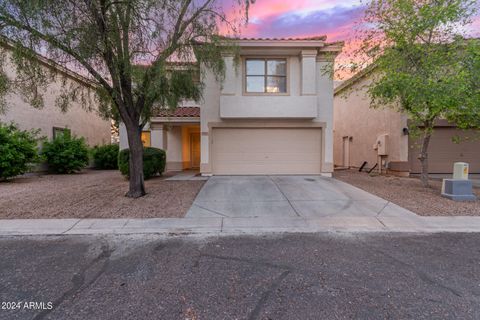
105	157
153	161
18	150
66	153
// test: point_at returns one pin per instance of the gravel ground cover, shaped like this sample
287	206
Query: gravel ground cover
410	194
93	194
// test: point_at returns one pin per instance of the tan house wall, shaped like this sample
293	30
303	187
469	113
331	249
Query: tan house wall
174	148
354	118
81	122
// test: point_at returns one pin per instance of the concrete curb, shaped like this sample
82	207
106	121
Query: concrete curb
225	225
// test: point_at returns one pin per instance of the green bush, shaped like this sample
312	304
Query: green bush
66	154
105	157
153	161
18	150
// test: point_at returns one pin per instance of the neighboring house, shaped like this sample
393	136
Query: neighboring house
50	119
382	136
273	113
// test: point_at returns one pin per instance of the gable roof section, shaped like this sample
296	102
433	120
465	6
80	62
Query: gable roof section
49	63
354	79
318	42
367	70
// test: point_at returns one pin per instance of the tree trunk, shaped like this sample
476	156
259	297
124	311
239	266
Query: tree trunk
427	134
136	185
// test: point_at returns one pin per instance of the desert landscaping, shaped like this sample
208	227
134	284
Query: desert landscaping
410	194
93	194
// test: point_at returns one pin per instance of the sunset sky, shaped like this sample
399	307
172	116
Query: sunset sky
291	18
299	18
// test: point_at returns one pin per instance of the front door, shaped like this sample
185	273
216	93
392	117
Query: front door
195	149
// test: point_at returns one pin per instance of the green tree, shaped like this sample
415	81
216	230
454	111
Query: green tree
106	40
424	66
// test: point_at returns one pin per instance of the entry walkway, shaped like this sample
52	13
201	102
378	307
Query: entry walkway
186	175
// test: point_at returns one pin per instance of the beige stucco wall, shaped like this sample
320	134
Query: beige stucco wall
310	101
354	118
81	122
296	104
174	148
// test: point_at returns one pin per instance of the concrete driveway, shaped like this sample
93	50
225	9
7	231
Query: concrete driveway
308	197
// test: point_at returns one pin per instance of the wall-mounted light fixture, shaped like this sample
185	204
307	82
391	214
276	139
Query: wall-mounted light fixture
405	131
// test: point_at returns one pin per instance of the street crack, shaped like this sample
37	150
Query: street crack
266	295
78	281
421	274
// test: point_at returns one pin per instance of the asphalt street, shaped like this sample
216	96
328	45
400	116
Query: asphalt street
295	276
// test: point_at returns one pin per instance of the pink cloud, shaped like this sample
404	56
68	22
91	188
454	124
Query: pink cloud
474	28
271	18
302	18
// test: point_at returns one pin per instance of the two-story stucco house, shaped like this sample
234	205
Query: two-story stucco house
380	137
273	113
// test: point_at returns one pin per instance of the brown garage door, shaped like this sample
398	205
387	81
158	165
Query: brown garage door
443	152
266	150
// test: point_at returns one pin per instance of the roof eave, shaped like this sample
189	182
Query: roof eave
336	47
175	119
281	43
355	78
49	63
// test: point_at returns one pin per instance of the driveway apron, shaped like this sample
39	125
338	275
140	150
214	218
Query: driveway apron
307	197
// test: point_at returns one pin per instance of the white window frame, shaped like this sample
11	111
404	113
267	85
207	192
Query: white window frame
287	76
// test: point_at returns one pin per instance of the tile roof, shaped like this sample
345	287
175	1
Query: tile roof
315	38
180	112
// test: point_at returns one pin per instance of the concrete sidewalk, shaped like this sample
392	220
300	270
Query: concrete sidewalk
226	226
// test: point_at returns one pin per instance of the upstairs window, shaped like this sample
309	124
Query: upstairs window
266	76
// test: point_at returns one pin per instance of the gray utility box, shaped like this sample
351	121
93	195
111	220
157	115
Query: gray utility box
458	190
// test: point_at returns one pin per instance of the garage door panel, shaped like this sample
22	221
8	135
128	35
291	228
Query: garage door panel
264	140
266	151
443	152
265	168
267	156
